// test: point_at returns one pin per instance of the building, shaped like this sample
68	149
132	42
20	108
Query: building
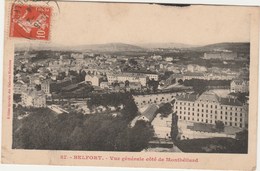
45	86
149	114
20	87
206	76
77	56
209	108
152	76
143	100
174	78
147	74
239	86
49	86
193	75
131	77
196	68
33	98
104	85
169	59
134	86
157	57
96	71
95	80
58	64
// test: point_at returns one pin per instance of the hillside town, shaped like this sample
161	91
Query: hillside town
181	94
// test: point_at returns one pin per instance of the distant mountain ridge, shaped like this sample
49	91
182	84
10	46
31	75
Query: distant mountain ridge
166	45
109	47
121	47
231	46
116	47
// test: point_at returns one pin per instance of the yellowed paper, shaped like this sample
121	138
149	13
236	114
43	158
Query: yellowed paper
132	85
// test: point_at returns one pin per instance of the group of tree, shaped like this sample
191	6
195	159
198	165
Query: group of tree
200	86
79	76
74	131
174	127
17	98
153	85
165	109
219	126
242	138
125	100
166	75
242	97
80	92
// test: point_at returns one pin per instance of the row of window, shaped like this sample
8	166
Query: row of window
155	101
149	102
210	121
211	106
211	112
158	98
221	117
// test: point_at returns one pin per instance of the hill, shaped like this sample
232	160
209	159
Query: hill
109	47
166	45
123	47
235	47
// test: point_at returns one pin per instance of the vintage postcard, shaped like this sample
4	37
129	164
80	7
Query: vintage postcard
130	85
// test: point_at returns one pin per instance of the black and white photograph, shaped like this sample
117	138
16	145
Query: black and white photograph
175	84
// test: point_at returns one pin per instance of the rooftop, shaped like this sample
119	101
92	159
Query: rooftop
150	112
188	97
210	96
230	102
194	74
142	72
128	75
238	82
34	93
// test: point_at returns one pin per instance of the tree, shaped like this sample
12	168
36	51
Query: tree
130	109
220	126
242	137
38	87
61	76
153	84
174	127
165	110
242	97
81	76
180	81
166	75
132	62
140	135
127	83
17	98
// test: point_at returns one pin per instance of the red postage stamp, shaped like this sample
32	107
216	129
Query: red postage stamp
31	22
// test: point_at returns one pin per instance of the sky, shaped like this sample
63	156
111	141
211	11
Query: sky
80	23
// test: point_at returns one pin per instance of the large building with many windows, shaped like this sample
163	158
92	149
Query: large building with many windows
209	108
131	77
